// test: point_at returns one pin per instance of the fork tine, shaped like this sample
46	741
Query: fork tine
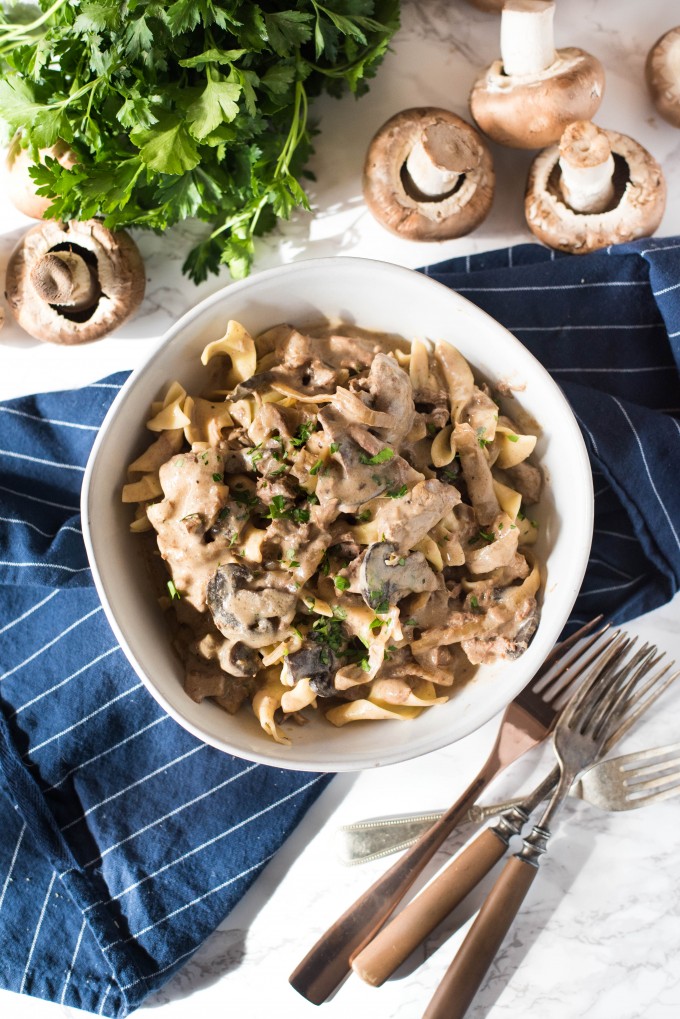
557	668
559	687
643	705
581	702
561	653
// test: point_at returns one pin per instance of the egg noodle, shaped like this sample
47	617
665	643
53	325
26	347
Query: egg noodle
343	519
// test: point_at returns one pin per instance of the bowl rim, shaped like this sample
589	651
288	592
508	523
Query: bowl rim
276	758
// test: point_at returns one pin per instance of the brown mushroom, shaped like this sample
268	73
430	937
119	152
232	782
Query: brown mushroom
662	71
20	187
527	97
596	188
73	282
428	175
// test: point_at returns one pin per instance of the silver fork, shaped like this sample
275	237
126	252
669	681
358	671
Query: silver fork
527	721
382	956
627	782
600	707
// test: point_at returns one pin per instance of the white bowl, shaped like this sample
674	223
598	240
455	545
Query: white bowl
379	296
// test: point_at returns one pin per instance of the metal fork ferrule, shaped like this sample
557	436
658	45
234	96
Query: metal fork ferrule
510	823
535	845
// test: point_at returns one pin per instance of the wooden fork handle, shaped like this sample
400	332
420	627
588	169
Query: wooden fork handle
464	976
328	962
381	957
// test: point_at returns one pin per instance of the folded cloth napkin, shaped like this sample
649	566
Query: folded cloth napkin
125	840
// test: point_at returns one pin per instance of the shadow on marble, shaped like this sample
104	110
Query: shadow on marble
227	947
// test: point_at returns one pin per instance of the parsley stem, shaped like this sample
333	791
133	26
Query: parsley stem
11	30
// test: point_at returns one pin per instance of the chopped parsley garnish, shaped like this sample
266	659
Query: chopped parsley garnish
292	562
302	434
330	632
364	516
431	428
397	493
242	496
375	624
451	473
218	478
383	605
254	454
410	621
511	437
278	511
342	583
277	508
339	612
474	603
487	535
172	590
364	663
315	469
335	446
380	458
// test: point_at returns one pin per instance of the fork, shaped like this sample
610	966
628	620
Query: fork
527	721
620	783
591	720
392	945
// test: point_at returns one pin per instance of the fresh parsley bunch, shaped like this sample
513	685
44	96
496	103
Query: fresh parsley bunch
191	108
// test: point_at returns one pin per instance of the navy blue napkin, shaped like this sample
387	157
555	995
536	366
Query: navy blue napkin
124	840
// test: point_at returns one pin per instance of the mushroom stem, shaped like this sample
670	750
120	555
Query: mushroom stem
587	168
65	279
437	160
527	41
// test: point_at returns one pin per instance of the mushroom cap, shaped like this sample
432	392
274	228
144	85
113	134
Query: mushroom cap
119	268
662	71
637	213
20	187
417	217
532	111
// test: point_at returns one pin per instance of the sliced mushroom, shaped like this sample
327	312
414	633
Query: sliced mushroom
350	478
318	664
244	613
527	97
386	577
428	175
73	282
662	71
20	186
638	195
239	659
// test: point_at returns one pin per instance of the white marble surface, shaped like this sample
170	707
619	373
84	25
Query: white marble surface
599	934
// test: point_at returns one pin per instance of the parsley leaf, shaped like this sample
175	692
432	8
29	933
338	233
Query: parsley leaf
380	458
190	108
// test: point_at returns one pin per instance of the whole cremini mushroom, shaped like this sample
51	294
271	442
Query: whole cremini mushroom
20	187
73	282
597	187
662	71
527	97
428	175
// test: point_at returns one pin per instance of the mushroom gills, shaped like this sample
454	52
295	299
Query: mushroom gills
386	576
66	278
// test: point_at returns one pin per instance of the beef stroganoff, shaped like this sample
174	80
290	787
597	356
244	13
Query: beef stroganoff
342	517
